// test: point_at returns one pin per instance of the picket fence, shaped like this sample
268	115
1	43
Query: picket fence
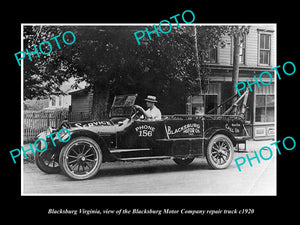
36	122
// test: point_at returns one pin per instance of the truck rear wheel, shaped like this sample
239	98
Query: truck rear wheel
183	161
219	152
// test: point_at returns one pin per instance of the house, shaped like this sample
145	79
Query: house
63	101
81	101
257	54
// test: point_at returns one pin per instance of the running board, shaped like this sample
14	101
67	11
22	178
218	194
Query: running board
129	150
145	158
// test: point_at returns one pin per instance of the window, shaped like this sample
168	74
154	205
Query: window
205	102
211	101
264	108
212	55
53	100
264	49
242	52
60	100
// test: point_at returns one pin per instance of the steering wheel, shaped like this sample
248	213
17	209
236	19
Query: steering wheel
136	113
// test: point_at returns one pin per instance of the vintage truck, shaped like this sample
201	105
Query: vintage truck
126	137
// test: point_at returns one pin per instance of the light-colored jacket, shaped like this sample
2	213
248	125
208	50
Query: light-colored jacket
153	114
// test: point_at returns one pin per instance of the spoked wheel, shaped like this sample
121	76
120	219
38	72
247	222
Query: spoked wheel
219	153
81	158
47	161
183	161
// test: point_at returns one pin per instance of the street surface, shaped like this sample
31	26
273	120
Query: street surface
161	177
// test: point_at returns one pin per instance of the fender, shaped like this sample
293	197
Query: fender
213	131
96	137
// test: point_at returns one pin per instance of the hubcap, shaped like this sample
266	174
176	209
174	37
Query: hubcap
81	158
49	159
220	152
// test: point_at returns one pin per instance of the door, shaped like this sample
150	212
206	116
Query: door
141	134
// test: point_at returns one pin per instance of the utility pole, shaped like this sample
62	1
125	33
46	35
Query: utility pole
202	106
236	61
197	59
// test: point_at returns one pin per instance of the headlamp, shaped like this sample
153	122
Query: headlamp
64	135
50	130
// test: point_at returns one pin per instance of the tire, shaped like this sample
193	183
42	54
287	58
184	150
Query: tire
183	161
81	152
47	161
219	152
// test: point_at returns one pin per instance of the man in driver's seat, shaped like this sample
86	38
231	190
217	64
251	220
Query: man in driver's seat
152	113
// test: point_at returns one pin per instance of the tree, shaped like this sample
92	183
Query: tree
109	59
44	75
238	33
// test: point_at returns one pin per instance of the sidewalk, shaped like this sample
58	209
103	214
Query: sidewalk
263	174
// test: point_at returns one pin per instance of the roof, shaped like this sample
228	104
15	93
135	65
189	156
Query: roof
81	92
68	87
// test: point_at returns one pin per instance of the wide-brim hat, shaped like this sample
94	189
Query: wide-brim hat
151	98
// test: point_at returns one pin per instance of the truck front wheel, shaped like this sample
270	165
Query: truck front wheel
81	158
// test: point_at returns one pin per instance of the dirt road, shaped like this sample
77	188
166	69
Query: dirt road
158	177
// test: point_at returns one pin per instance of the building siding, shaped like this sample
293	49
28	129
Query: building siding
221	73
82	103
252	47
225	55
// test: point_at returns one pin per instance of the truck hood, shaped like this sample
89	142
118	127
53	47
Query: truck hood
103	126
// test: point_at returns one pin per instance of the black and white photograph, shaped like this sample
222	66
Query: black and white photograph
173	108
146	110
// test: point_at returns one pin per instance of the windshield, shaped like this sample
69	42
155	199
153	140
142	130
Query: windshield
122	105
124	100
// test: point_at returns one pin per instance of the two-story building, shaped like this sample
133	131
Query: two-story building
257	54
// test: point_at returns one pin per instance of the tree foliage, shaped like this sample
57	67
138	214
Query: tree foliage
111	61
44	75
214	34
